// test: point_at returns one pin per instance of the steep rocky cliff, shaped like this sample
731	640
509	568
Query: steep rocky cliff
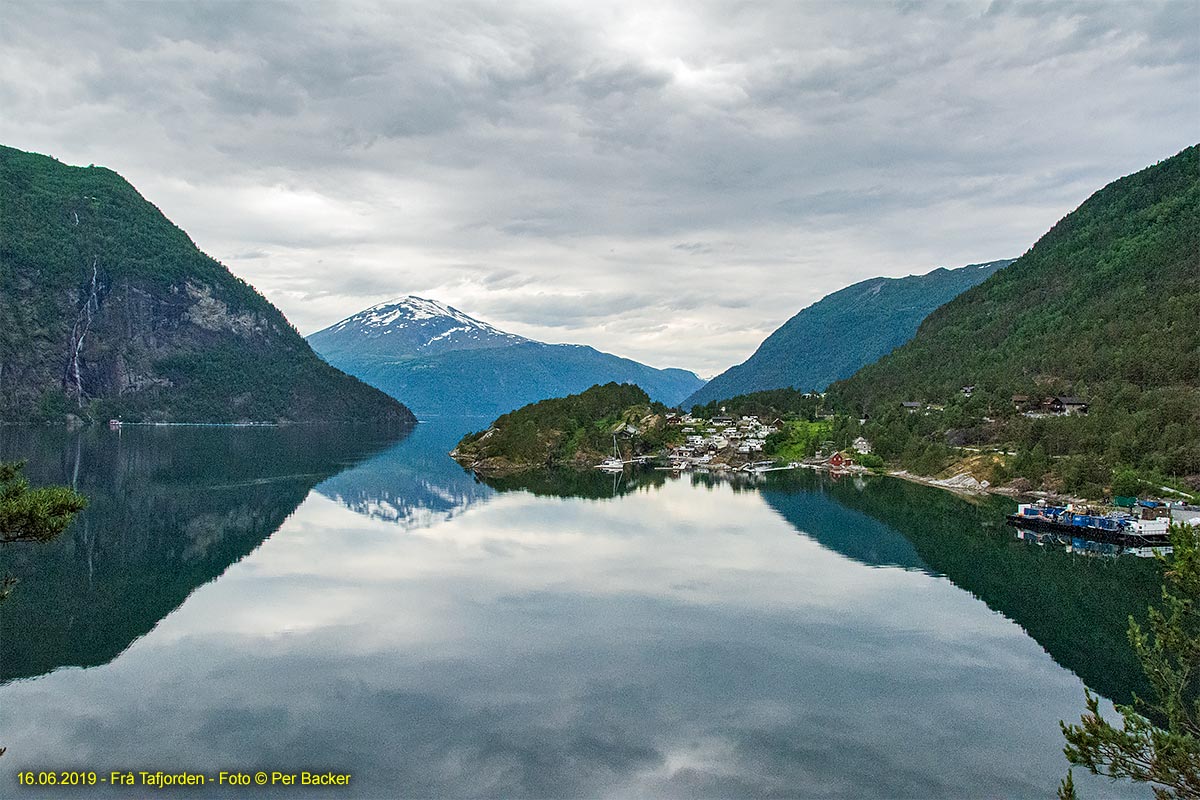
109	310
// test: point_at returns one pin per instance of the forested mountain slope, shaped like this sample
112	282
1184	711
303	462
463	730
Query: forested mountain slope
1104	307
842	332
109	310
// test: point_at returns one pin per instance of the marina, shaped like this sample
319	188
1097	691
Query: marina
1143	532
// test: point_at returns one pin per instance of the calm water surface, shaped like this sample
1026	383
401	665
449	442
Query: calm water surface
341	599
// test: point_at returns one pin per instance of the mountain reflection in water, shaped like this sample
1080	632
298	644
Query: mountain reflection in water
360	603
414	483
1077	607
169	509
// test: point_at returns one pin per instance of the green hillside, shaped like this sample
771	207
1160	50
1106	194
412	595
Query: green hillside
576	430
842	332
1104	307
109	310
767	404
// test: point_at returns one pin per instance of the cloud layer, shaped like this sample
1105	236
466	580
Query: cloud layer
666	183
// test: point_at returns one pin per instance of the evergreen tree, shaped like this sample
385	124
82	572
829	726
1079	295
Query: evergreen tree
1159	738
33	514
1126	483
36	515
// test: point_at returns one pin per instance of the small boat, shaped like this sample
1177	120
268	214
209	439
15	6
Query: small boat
613	463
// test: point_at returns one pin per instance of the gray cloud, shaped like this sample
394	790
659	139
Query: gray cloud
677	156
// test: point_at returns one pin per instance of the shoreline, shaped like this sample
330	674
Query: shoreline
968	487
979	490
962	485
273	424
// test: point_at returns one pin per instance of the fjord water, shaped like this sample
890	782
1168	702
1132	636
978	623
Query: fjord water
349	599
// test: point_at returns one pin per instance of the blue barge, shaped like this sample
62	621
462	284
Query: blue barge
1141	536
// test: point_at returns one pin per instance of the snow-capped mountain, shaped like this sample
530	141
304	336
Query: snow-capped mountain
411	327
443	362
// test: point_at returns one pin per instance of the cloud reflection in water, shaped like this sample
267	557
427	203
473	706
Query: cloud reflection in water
682	641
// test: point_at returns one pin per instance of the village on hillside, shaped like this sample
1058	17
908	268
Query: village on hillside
745	443
748	443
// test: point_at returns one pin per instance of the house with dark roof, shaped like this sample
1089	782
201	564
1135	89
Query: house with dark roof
1065	406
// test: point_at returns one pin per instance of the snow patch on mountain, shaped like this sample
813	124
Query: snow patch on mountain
413	326
448	332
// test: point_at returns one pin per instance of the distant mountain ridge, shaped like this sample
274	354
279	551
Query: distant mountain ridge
109	310
411	326
842	332
443	362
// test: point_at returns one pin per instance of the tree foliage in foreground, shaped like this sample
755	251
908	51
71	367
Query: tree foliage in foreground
33	514
1159	738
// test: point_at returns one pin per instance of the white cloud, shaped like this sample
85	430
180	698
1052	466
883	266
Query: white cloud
715	166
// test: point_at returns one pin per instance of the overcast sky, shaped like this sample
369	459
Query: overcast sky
667	181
